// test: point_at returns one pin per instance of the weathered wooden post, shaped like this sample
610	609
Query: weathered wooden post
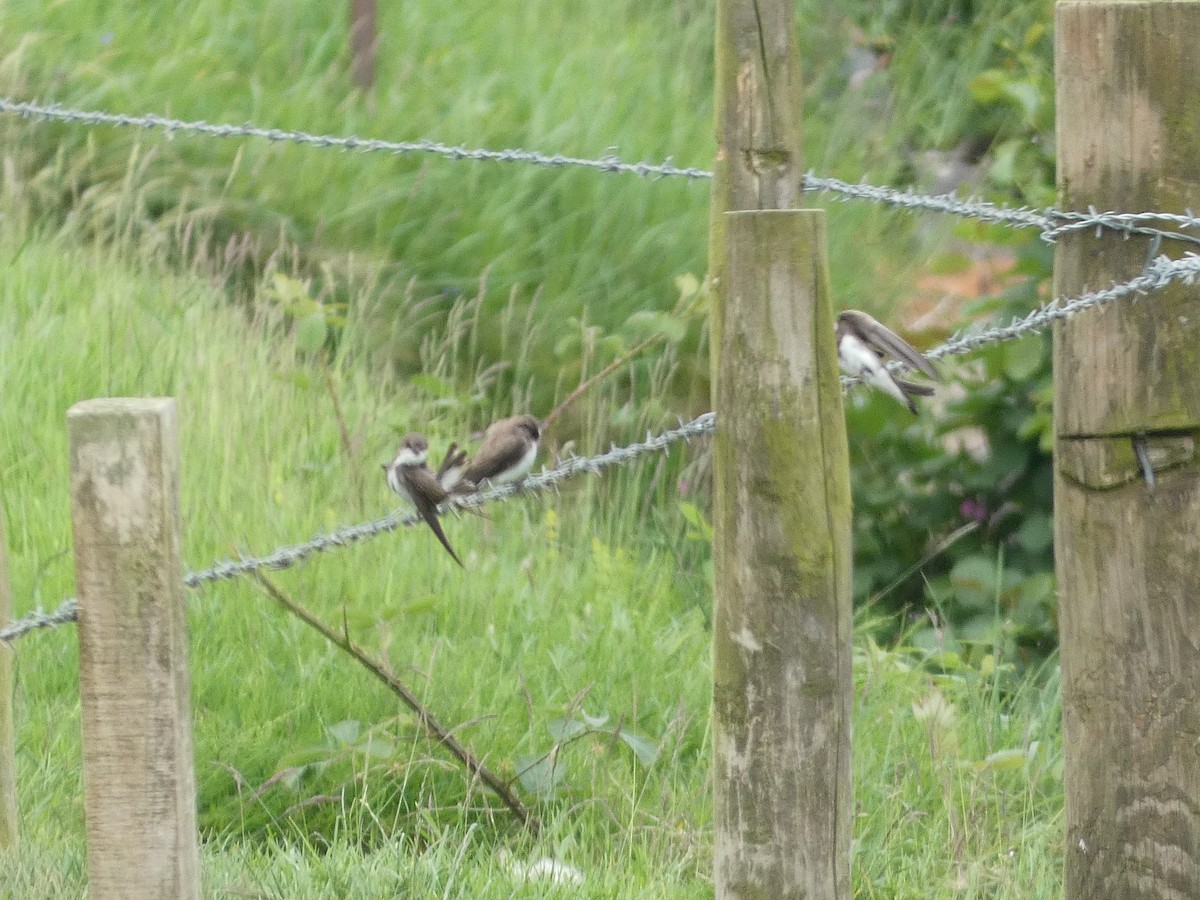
8	763
139	786
1127	399
781	509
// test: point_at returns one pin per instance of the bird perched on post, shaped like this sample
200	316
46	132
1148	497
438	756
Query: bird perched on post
410	477
506	455
863	343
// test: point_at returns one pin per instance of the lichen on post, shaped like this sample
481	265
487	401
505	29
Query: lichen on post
781	565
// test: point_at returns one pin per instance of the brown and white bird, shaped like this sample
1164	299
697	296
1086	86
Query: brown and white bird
863	345
506	455
410	477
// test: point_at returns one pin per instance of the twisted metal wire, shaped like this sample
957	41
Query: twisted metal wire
1156	276
609	164
1050	222
67	612
1159	273
286	557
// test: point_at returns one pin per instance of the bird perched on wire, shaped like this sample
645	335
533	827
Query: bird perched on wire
863	345
410	477
506	455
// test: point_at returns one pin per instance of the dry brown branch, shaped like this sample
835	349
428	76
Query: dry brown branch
600	376
427	719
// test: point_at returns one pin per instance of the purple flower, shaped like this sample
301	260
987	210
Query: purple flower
970	509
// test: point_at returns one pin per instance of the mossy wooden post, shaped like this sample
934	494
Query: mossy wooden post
8	763
759	164
139	785
781	510
781	566
1128	374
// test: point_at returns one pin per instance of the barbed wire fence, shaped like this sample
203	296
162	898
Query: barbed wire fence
1159	272
1049	222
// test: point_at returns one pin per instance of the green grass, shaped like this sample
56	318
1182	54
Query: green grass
566	607
623	77
134	264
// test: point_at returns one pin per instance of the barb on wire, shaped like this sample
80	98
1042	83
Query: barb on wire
67	612
1050	222
610	164
286	557
1156	276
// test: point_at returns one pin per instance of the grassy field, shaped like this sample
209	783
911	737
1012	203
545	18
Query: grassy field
210	271
567	607
620	77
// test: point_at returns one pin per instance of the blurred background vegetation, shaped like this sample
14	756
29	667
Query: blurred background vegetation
556	273
412	288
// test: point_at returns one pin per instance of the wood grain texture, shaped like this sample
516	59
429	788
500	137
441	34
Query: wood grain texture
1128	140
1127	553
9	825
781	563
758	98
139	785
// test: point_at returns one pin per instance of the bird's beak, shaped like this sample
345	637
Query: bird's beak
385	467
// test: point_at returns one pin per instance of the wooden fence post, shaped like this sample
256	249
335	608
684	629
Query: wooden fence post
781	564
9	832
1127	398
757	89
781	508
139	785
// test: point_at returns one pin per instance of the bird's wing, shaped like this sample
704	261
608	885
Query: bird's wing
426	495
913	389
454	457
884	340
498	453
449	473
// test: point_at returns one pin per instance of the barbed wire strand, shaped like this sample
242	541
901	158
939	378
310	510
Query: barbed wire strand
610	164
67	612
1050	222
286	557
1161	272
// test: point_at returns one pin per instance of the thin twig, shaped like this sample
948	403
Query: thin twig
427	719
344	434
600	376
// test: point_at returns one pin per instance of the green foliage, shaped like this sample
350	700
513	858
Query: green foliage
445	294
953	511
310	783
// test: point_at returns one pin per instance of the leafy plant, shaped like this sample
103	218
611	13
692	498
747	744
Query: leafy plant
953	512
542	773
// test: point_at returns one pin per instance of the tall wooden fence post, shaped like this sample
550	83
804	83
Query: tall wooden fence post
781	564
781	510
139	785
8	764
1127	398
